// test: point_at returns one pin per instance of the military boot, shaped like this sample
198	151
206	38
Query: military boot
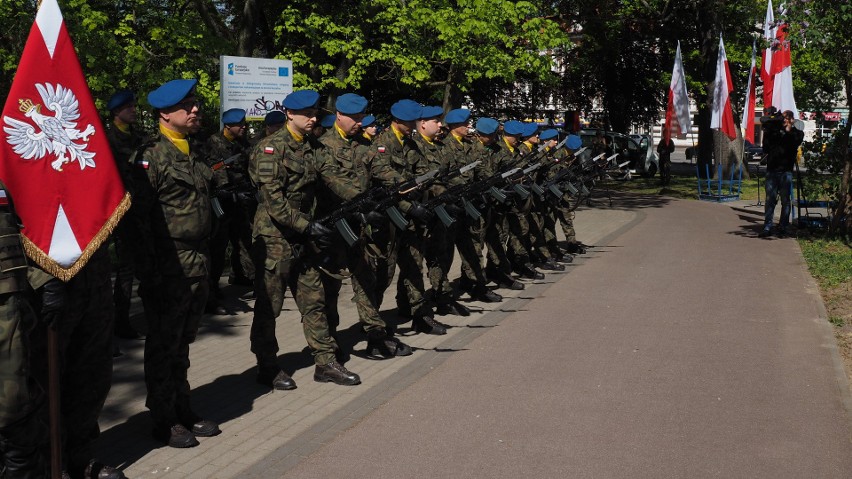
96	470
175	436
428	325
482	293
381	345
334	372
276	379
527	271
452	307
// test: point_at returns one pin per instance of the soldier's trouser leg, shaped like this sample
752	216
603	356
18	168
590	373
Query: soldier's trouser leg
272	257
123	288
175	313
381	252
566	219
549	228
331	287
495	237
22	431
242	266
469	244
310	298
438	252
518	234
409	286
364	289
218	249
538	246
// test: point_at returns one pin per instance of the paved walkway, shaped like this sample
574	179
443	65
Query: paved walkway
681	346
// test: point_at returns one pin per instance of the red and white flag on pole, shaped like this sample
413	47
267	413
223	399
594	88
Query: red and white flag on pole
782	67
766	74
747	123
678	121
54	156
723	116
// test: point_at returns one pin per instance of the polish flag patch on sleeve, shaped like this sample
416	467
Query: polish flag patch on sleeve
269	150
4	200
143	163
381	149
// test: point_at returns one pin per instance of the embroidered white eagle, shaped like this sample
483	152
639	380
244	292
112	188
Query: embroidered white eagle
58	133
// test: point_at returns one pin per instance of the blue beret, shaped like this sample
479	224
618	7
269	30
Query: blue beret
530	129
171	93
351	104
487	126
302	99
431	112
574	142
459	115
233	116
328	120
367	121
120	98
274	117
406	110
548	134
513	127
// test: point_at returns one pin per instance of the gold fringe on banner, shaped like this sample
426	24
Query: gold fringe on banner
65	274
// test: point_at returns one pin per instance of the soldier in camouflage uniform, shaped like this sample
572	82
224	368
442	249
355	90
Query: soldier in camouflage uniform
515	226
81	314
392	159
346	147
22	429
547	206
469	233
495	159
289	247
439	244
369	127
173	221
236	198
123	141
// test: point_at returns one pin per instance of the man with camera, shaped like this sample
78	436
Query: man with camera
781	140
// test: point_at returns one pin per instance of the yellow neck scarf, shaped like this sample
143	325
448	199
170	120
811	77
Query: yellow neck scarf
122	126
510	147
179	139
299	138
228	136
397	133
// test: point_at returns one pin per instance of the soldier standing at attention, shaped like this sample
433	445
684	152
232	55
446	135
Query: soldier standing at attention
469	231
173	216
345	147
392	159
235	196
369	127
289	246
439	243
123	141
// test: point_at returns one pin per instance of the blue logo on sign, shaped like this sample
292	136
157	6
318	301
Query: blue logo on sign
230	68
283	71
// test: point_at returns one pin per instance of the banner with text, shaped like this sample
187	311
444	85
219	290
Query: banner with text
256	85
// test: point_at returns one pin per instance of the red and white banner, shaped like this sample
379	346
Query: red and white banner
782	67
767	76
723	115
678	121
747	124
54	156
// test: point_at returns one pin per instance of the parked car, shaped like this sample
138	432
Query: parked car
639	152
752	152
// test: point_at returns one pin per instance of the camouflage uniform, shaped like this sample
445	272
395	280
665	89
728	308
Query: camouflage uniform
537	236
469	232
345	159
21	429
392	160
516	226
84	331
494	159
563	210
123	146
173	218
285	171
439	244
236	197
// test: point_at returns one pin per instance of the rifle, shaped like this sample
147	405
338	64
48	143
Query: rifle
226	162
233	190
437	204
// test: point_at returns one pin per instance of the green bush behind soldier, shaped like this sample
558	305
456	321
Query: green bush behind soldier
173	222
346	149
235	195
469	233
123	140
284	168
439	244
394	158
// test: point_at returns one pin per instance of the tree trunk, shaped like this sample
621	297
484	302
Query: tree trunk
447	104
842	221
247	36
707	28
